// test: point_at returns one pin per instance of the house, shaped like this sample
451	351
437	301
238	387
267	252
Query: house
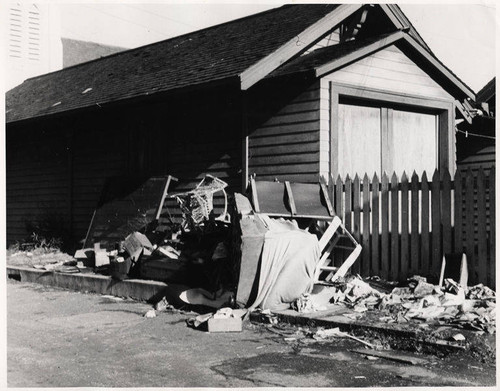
297	92
476	137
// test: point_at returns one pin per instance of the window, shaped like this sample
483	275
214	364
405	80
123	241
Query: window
375	132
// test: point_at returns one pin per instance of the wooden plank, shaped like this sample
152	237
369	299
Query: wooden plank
284	139
356	218
385	247
375	254
366	51
291	200
458	245
482	256
366	252
435	223
293	118
446	213
424	221
291	149
492	237
415	216
307	37
405	237
469	224
326	197
302	158
339	198
394	266
392	356
255	198
278	170
348	203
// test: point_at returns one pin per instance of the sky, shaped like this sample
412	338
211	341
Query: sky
461	35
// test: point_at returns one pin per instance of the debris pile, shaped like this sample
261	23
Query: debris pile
420	301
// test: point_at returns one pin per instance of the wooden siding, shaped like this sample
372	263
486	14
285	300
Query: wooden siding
284	132
392	71
36	181
60	172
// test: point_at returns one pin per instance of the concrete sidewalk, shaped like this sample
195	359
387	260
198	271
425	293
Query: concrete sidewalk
407	335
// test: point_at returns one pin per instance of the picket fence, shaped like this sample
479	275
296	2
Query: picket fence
406	225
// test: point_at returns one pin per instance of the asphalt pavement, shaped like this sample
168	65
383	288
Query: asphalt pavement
58	338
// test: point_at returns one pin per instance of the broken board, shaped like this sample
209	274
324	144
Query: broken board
126	205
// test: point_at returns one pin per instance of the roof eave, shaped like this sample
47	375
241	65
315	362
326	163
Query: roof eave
358	54
139	98
308	37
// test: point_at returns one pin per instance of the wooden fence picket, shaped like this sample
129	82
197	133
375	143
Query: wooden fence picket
406	226
339	193
365	267
424	221
492	238
482	266
435	222
348	203
469	223
384	271
394	228
356	225
458	245
446	213
405	237
375	253
415	234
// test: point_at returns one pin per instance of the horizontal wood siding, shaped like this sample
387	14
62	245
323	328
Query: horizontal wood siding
53	174
284	136
36	181
390	70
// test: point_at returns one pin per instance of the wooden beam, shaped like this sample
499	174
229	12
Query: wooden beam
255	198
358	54
291	200
290	49
463	111
244	142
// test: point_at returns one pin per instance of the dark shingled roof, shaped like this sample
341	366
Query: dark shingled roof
212	54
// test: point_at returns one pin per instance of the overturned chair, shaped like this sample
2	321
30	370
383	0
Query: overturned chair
309	201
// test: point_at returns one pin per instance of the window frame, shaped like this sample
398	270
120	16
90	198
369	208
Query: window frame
444	109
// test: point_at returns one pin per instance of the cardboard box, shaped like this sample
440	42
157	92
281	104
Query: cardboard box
226	325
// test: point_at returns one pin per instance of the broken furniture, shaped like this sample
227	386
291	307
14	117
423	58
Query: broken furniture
126	205
197	204
311	201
